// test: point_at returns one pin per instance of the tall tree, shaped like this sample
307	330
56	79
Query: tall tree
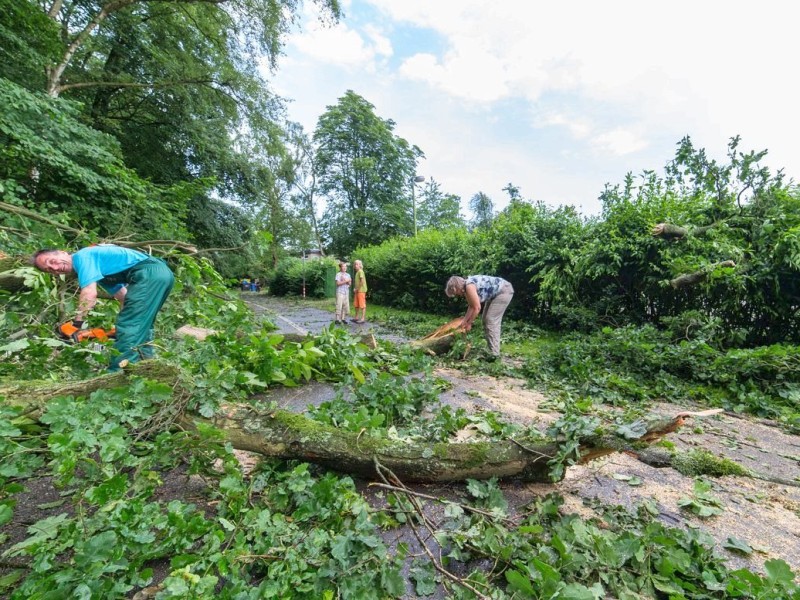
227	231
88	39
364	170
482	209
437	209
305	183
173	80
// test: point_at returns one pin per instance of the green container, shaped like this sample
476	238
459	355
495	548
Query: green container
330	282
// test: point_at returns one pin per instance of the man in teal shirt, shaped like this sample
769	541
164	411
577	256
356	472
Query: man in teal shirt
141	284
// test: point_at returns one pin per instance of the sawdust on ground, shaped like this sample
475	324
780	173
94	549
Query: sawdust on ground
764	514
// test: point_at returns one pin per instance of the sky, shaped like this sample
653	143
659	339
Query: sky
557	98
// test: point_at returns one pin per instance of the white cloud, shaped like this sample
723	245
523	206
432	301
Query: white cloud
471	74
342	46
618	142
381	44
578	126
558	98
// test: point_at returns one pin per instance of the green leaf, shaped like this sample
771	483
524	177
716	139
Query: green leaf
423	574
358	374
98	548
737	545
6	513
7	429
576	591
778	571
632	431
8	580
49	505
392	580
40	531
517	582
15	346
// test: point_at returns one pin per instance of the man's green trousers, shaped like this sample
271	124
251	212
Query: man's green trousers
149	283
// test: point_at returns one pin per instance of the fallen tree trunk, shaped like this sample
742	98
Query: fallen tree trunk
286	435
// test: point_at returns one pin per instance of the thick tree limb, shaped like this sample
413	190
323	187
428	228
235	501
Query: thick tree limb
668	231
660	458
689	279
170	244
287	435
18	210
152	244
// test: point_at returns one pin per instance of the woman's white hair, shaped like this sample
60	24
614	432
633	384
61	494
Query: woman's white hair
454	286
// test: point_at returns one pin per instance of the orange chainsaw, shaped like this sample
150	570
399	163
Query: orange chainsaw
73	333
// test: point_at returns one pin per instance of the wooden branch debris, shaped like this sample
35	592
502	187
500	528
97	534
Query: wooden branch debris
441	340
690	279
160	245
291	436
669	232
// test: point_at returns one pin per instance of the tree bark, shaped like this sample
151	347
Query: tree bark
690	279
286	435
11	281
441	340
668	231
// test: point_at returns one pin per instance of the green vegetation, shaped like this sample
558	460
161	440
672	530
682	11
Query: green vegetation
686	288
702	462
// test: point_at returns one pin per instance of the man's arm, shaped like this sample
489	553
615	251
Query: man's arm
473	306
120	296
86	301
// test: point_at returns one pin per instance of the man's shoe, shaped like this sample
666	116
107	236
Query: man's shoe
338	322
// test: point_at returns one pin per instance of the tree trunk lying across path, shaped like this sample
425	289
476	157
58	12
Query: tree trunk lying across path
286	435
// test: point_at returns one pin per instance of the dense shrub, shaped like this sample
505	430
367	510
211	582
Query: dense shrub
292	273
411	272
574	274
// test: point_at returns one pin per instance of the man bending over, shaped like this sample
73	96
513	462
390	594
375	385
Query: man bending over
141	284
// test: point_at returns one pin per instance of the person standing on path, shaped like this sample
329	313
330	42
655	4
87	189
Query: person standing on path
494	293
342	294
360	292
139	282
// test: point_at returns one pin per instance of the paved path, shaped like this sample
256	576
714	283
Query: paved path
293	317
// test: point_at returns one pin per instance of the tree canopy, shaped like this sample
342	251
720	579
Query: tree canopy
365	172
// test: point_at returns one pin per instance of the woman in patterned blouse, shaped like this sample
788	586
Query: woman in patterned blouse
494	293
